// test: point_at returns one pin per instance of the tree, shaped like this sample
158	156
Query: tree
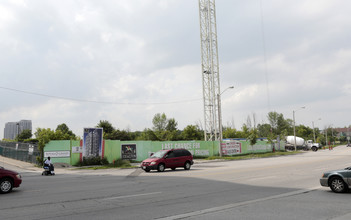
148	135
170	135
253	136
245	131
65	130
171	125
278	123
229	132
62	127
304	132
119	135
191	132
273	120
106	127
25	134
160	122
44	136
264	130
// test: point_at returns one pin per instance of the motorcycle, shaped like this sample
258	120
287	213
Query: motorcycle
48	170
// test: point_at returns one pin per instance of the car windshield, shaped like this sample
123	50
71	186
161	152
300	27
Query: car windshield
159	154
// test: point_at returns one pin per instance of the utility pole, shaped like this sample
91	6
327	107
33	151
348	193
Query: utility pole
314	135
220	119
294	125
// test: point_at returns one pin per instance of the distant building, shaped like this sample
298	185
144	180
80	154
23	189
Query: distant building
343	132
12	129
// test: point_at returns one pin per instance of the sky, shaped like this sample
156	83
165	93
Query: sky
81	61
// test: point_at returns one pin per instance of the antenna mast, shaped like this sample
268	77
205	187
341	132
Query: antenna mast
210	69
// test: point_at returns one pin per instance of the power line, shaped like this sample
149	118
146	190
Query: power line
265	57
98	102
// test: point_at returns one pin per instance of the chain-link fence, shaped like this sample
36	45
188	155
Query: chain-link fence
19	151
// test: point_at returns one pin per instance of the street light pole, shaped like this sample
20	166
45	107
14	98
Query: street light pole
333	141
314	136
220	119
294	125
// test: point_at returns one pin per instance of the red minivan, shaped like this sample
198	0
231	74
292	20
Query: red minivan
172	158
8	180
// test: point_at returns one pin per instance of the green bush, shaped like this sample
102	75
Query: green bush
89	161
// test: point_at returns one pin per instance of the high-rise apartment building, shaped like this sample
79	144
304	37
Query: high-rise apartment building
12	129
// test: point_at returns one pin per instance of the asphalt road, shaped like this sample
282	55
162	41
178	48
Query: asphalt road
271	188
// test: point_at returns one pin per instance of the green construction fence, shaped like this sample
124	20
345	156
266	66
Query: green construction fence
70	152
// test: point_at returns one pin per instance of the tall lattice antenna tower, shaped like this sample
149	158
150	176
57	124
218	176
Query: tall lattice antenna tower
210	69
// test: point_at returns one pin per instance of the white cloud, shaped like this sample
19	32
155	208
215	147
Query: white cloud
148	52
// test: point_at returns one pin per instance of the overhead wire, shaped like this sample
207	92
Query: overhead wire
265	57
98	102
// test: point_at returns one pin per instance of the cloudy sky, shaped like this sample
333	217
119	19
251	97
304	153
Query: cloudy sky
79	62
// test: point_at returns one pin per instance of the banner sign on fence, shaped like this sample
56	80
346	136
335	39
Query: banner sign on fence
92	142
77	149
57	154
260	148
231	147
193	147
128	151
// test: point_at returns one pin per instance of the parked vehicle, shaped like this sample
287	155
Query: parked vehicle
9	180
312	146
338	180
301	144
172	158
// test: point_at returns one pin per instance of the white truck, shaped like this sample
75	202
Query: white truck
301	144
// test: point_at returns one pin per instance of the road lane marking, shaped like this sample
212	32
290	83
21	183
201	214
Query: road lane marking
129	196
234	205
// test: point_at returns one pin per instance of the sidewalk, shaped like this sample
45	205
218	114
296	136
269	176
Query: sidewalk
59	168
19	164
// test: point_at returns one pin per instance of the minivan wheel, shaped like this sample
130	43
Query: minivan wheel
337	185
187	165
161	167
5	185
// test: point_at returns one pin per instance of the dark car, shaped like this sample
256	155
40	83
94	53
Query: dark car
172	158
338	180
8	180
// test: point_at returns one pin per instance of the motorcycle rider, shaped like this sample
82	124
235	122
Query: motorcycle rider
48	163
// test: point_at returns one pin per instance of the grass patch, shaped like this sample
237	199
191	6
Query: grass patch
255	155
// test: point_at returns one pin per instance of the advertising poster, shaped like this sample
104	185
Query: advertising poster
92	142
231	147
128	152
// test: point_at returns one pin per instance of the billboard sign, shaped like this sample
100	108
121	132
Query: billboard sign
128	152
92	142
231	147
